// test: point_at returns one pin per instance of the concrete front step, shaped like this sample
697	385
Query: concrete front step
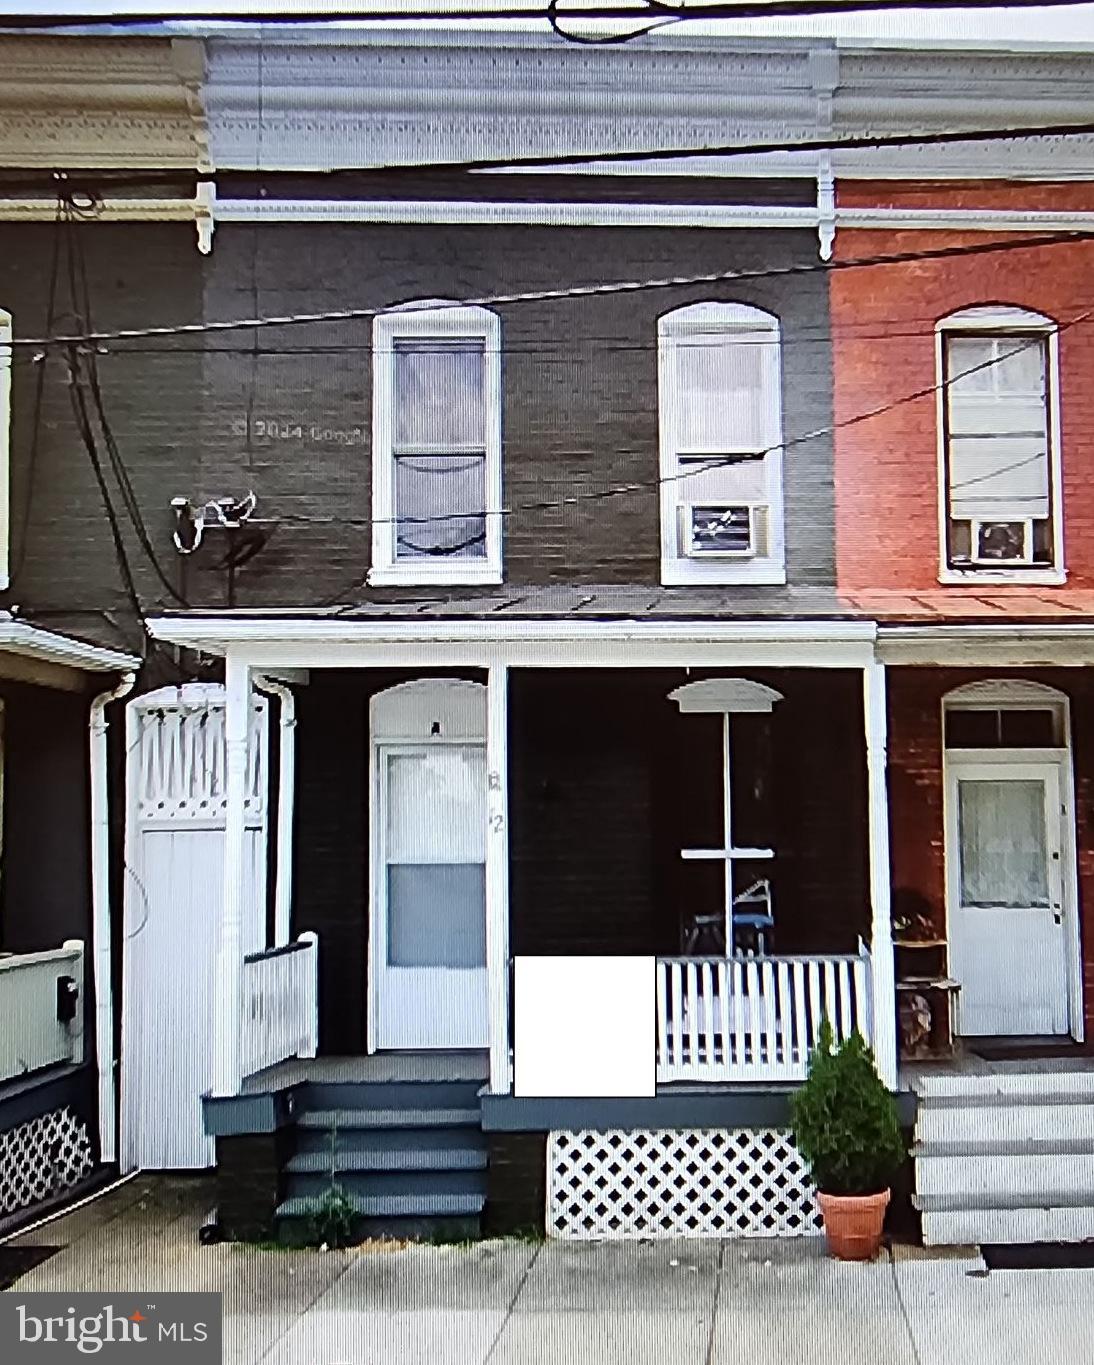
995	1177
1042	1085
1007	1226
949	1122
297	1231
341	1119
1004	1146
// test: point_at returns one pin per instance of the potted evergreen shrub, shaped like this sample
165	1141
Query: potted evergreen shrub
845	1125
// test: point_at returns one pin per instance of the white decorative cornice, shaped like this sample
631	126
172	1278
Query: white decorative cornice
101	102
406	97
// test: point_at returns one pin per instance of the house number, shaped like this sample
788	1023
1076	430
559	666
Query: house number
497	822
493	781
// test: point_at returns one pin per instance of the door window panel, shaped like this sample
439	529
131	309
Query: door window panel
436	857
1003	844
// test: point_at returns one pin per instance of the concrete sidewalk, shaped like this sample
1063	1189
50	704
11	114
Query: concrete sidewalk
516	1303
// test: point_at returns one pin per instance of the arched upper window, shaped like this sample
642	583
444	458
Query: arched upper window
999	438
436	445
720	392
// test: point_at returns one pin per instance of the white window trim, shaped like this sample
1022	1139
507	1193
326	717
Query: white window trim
463	323
6	353
678	569
996	319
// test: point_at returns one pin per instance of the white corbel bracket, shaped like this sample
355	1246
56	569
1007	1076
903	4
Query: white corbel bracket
204	205
826	207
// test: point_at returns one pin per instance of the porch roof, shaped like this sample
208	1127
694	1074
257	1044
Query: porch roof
30	654
646	625
541	626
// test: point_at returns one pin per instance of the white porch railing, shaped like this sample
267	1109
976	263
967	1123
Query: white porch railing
41	1009
279	1004
754	1018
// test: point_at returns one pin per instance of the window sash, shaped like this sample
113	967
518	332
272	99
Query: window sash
998	452
721	387
436	401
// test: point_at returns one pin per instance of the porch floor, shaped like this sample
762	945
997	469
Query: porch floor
379	1066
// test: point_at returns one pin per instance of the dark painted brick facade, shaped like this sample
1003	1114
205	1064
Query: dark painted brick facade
287	410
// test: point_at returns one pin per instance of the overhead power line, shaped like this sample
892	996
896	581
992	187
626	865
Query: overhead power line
600	13
22	179
91	337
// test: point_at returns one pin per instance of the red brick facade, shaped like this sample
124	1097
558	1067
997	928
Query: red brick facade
915	788
883	330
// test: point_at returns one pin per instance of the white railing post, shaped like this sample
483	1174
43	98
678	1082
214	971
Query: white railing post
311	993
497	873
228	999
883	989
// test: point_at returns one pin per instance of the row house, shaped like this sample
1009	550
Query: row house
584	622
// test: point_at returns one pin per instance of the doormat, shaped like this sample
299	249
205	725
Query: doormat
1040	1256
1032	1051
16	1261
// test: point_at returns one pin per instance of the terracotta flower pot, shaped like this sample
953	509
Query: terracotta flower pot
853	1223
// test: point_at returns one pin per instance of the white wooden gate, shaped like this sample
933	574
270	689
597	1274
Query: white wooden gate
174	849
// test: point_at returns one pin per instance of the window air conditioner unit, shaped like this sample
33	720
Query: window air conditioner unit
720	530
1002	542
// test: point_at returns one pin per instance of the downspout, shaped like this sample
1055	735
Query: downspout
100	915
286	790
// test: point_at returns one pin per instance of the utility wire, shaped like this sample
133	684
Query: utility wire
697	11
705	466
568	292
39	396
81	303
87	435
109	179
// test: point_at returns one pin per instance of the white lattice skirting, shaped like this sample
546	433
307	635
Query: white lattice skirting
678	1182
42	1158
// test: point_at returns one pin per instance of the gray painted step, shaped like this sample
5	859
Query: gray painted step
428	1184
390	1118
394	1206
388	1159
375	1148
390	1095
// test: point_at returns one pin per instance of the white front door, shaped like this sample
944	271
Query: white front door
428	949
1005	890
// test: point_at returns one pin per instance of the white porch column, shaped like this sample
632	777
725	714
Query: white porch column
229	958
881	926
497	873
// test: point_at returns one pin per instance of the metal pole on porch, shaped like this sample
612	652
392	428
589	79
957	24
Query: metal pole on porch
883	992
229	958
497	873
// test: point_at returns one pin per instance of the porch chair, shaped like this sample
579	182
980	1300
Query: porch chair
752	912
